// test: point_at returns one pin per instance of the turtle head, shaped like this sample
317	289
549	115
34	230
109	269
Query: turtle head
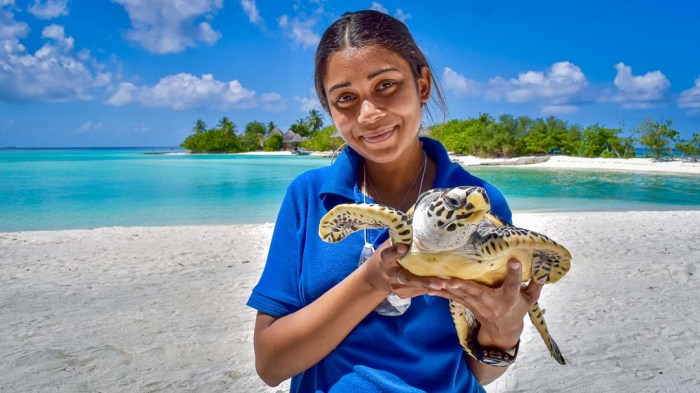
445	218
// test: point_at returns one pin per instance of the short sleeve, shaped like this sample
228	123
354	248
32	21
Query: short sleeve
277	292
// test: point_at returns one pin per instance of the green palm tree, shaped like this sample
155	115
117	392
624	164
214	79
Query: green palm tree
199	126
227	126
271	126
315	120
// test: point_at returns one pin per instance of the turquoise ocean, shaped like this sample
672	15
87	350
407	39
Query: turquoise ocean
51	189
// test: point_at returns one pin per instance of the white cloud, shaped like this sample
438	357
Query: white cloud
90	126
301	31
308	103
185	91
637	92
141	127
378	7
49	9
55	72
58	34
170	26
560	83
273	102
251	10
459	84
10	28
691	98
559	109
399	14
208	34
402	16
650	85
283	21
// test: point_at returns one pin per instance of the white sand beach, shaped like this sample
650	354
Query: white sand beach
569	162
163	309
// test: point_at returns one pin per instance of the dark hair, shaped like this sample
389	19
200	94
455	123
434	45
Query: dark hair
364	28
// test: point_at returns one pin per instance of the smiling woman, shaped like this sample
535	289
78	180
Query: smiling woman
315	321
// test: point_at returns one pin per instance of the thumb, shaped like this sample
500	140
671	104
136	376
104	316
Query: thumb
394	252
513	277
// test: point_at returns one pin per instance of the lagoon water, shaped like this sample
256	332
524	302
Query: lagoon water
49	189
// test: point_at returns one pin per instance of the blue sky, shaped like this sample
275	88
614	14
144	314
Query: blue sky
139	73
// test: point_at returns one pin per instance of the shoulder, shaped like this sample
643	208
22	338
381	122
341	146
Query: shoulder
309	182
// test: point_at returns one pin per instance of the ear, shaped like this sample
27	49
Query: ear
425	82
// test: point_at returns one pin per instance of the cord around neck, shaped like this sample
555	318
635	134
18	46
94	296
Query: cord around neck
365	181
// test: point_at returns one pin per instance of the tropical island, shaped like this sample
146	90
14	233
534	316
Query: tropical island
504	137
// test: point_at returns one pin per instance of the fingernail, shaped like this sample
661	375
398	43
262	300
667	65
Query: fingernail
402	248
514	265
434	285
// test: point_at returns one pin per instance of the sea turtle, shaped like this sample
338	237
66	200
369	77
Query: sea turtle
452	233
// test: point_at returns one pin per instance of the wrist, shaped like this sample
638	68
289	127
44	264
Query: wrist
498	351
376	286
489	336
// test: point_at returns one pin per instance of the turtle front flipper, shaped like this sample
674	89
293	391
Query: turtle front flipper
345	219
537	318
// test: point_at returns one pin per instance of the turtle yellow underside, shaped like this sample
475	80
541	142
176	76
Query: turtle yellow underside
452	234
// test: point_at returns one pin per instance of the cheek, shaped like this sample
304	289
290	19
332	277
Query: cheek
342	122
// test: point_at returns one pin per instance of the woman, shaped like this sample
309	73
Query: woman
315	321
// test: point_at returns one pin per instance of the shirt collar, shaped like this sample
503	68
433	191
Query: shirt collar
341	184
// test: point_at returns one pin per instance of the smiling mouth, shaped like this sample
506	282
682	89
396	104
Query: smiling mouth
381	137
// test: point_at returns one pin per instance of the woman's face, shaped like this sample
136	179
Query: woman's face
375	101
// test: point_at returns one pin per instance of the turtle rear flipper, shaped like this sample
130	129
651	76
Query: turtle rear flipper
537	318
550	260
345	219
465	323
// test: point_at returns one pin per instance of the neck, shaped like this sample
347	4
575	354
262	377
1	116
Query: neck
398	184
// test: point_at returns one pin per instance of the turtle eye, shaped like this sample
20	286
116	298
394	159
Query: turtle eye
451	203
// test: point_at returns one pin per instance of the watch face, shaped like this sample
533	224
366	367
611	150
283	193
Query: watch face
493	356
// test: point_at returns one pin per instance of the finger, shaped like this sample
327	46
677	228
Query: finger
466	288
394	252
405	277
533	290
511	285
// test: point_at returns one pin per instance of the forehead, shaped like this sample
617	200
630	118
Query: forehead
350	64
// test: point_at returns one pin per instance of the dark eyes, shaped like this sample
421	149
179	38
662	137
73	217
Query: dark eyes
344	98
381	87
385	85
452	203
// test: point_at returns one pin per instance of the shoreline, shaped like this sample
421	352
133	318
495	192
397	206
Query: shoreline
637	164
163	308
647	165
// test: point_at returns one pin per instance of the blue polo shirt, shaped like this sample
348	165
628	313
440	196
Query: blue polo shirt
418	351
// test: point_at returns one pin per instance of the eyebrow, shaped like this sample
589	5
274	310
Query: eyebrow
370	76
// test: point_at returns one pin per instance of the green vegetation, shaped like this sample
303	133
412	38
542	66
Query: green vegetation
256	135
321	140
657	136
508	137
482	136
690	148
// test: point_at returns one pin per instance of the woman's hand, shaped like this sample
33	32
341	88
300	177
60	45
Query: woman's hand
499	310
385	273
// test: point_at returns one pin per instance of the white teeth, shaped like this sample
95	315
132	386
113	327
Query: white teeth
379	137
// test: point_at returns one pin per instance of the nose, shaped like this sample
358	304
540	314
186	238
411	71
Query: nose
369	113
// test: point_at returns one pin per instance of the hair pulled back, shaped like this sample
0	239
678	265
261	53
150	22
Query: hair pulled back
364	28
